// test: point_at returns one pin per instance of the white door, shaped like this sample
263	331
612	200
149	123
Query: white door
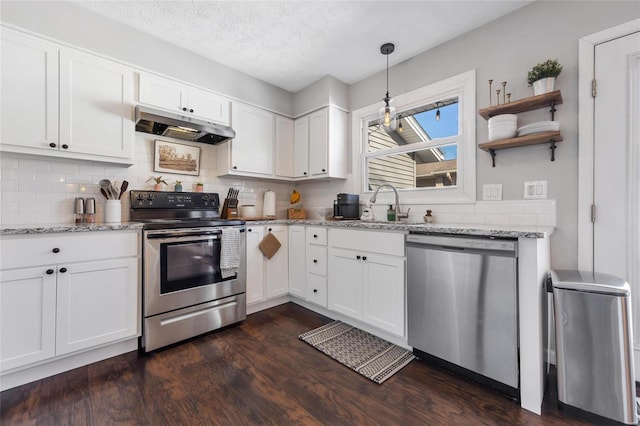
29	95
297	271
96	106
162	93
284	147
27	316
383	304
617	72
319	142
208	106
277	268
345	282
301	147
252	148
255	265
97	303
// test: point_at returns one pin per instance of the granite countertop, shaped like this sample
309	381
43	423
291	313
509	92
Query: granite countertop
64	227
481	230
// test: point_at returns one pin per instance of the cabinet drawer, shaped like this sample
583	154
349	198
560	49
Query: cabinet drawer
390	243
32	250
317	236
317	260
317	289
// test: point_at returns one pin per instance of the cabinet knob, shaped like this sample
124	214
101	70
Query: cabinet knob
315	260
184	109
358	257
62	270
315	290
324	170
190	110
56	250
50	271
65	146
249	230
235	167
269	229
364	257
52	145
315	235
305	173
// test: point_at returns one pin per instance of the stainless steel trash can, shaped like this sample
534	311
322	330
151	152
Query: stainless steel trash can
594	348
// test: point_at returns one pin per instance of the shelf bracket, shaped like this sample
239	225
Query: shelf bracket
553	150
493	156
553	110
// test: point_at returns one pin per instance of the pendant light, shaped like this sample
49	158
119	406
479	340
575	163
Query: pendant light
400	123
438	112
387	112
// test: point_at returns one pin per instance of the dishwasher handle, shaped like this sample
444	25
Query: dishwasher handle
503	246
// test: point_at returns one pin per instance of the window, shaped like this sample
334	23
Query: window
430	160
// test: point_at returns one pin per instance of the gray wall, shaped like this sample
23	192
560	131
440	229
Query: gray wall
70	23
504	50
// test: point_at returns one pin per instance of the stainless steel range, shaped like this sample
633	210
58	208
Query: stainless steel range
193	266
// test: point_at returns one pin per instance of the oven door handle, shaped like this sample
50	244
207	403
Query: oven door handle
164	236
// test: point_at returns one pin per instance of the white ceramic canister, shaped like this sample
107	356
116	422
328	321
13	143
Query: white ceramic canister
269	204
113	211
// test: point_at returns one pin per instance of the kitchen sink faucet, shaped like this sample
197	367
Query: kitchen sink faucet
399	214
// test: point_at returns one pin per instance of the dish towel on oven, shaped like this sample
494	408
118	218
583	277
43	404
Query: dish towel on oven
229	252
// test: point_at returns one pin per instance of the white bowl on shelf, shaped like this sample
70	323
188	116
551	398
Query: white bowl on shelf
498	134
503	118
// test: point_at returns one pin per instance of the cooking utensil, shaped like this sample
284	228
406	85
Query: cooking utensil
123	188
104	193
108	188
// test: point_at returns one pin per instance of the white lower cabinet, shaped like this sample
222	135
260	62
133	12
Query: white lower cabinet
96	304
316	265
297	262
27	316
266	278
54	302
366	277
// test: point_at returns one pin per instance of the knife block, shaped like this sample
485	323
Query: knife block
229	212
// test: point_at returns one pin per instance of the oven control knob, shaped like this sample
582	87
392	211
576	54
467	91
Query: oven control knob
140	197
150	197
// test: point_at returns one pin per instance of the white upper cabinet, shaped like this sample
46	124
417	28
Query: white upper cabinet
327	141
29	95
64	103
284	155
301	148
96	105
250	153
181	98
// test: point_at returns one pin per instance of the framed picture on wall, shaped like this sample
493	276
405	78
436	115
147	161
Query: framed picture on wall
176	158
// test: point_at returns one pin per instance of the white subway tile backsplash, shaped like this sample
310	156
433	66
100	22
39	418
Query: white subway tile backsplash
35	165
27	186
9	162
91	169
42	176
18	174
65	167
16	218
9	185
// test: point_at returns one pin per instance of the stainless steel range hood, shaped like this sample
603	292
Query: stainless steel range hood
163	123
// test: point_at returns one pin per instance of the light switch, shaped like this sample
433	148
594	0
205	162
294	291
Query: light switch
492	191
535	190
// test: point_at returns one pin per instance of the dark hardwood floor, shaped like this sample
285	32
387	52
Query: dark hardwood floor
256	373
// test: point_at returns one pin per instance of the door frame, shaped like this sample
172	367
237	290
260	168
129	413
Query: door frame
586	62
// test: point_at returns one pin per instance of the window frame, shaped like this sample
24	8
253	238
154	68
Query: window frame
462	86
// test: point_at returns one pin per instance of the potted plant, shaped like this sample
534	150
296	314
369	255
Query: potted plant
158	182
199	187
178	186
543	76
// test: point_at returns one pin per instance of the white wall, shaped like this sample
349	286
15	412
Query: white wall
504	50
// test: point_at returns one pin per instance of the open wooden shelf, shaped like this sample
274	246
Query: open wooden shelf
532	139
523	105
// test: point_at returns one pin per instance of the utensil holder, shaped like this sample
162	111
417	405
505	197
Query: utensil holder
113	211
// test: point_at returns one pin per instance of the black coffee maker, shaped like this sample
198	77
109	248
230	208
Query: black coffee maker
346	206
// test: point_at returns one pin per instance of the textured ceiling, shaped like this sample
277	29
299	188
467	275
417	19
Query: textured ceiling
291	44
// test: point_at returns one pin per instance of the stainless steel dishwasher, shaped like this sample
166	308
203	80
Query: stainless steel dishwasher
462	306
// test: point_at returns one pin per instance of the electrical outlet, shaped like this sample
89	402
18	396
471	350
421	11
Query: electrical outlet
492	192
535	190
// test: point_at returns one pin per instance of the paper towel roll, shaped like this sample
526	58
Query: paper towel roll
269	205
